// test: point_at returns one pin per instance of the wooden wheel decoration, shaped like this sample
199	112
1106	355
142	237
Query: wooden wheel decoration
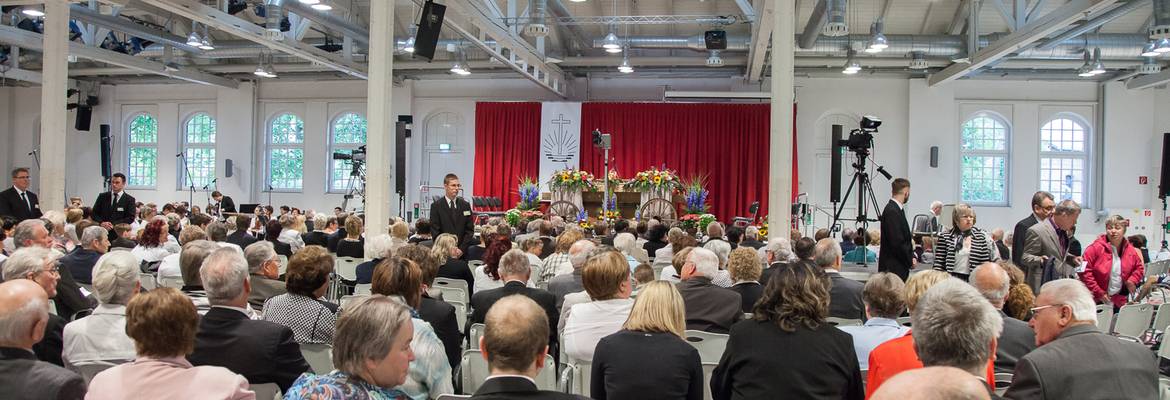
565	209
660	208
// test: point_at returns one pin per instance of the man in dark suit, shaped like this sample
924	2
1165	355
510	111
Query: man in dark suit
94	242
263	273
114	206
261	351
1042	206
37	264
1047	247
897	247
751	238
514	272
844	294
225	203
451	214
515	344
241	237
1017	339
1073	359
17	201
21	374
708	307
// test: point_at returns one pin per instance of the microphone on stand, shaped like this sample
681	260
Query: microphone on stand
179	155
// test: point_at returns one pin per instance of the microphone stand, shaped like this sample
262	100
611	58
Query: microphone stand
36	157
187	167
269	194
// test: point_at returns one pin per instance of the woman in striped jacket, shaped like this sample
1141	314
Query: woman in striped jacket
963	247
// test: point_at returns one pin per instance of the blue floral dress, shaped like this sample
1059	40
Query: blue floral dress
336	386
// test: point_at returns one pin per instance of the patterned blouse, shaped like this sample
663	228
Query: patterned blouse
311	320
337	385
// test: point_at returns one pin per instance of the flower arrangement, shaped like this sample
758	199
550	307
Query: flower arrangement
764	229
695	194
529	215
689	221
704	220
571	179
512	217
582	216
609	210
654	179
529	191
515	217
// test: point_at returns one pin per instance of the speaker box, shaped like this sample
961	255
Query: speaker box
934	156
227	168
84	114
429	26
400	158
835	165
104	132
715	40
1164	179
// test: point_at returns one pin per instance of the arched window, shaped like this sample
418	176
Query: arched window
983	154
286	152
1064	155
199	146
348	133
142	151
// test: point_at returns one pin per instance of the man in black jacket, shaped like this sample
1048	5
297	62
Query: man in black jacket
241	237
451	214
897	247
514	343
114	206
844	293
225	203
261	351
17	201
38	264
94	242
514	272
1043	204
321	231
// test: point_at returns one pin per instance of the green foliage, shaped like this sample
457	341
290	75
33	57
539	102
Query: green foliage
984	179
143	166
286	169
287	129
144	129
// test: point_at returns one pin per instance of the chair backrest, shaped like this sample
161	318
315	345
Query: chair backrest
319	356
171	282
363	289
473	336
708	370
857	276
346	267
473	370
266	391
346	300
460	314
89	369
1003	379
1104	317
453	289
1134	319
147	281
473	264
280	270
453	396
844	321
1162	319
904	321
710	345
921	223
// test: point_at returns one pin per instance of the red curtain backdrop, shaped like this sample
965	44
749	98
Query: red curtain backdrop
726	142
507	148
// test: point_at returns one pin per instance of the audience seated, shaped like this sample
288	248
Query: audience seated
124	237
776	254
446	252
844	293
422	233
241	237
860	254
303	308
649	358
882	296
532	248
678	240
1017	338
371	354
487	276
606	278
558	263
433	310
751	238
101	336
744	267
514	345
708	307
626	244
190	260
1075	360
379	248
804	249
787	349
39	264
261	351
655	239
932	383
338	235
562	285
722	251
162	323
272	233
263	274
152	246
323	226
95	241
24	312
170	268
429	375
1020	298
954	326
514	272
289	234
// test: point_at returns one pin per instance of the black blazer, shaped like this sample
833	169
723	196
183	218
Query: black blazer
763	362
648	366
261	351
317	238
510	387
441	316
1016	341
1019	234
227	205
282	248
80	264
123	212
897	246
49	348
845	297
23	377
11	205
459	222
337	235
458	269
749	294
708	307
481	302
69	299
241	238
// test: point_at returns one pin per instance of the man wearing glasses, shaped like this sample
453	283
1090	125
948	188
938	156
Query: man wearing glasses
39	264
1074	359
17	201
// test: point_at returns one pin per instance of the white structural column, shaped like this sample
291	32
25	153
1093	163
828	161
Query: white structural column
380	132
54	81
780	144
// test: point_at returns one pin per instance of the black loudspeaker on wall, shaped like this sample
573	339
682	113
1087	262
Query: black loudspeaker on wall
835	165
429	26
84	114
400	158
104	132
227	168
1164	181
934	156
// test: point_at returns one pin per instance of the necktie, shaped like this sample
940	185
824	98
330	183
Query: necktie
24	198
115	196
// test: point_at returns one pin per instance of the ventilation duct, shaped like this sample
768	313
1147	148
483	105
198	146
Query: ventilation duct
836	25
273	13
1161	27
537	11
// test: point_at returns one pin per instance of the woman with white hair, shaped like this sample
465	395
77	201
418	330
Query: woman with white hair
56	228
627	244
101	336
722	249
378	248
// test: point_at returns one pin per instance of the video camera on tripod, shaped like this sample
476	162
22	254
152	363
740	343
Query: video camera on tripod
356	159
860	143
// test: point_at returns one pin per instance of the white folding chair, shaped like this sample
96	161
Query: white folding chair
857	276
363	289
844	321
147	281
453	289
1133	320
460	314
171	282
710	345
473	264
1162	319
266	391
1002	381
1104	317
473	336
280	270
89	369
319	356
708	370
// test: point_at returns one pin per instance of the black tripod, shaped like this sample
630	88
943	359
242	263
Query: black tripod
861	179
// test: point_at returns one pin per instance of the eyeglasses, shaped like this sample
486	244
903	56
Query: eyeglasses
52	270
21	177
1034	310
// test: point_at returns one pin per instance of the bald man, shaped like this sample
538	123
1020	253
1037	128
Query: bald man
515	343
932	383
39	266
1017	339
24	310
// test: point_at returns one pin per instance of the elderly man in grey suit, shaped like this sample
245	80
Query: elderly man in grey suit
954	326
1017	338
264	273
24	307
1048	243
844	293
1076	361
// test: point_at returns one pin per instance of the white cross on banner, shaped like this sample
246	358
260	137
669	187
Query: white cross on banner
560	139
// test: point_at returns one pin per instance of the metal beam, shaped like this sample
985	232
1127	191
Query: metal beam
1005	13
86	14
212	17
1148	81
1092	24
33	40
761	37
812	29
358	33
960	18
745	6
20	75
1019	39
1033	7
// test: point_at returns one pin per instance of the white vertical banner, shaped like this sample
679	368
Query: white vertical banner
560	138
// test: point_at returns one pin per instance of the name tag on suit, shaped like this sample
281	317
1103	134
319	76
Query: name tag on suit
466	213
120	209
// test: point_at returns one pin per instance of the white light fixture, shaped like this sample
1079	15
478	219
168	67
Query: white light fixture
1098	67
444	147
1163	46
611	42
851	65
310	2
321	7
206	43
1150	50
408	46
32	12
625	66
460	67
264	69
878	41
1086	69
193	39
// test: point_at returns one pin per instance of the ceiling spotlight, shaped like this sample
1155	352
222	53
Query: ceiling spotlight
1086	69
270	70
851	65
459	69
625	66
310	2
1150	50
1163	46
32	12
206	43
322	7
408	45
714	60
836	26
878	41
1098	67
611	41
193	39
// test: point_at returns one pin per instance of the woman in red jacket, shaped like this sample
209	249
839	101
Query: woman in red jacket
1113	267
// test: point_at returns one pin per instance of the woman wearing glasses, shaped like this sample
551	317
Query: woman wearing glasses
964	246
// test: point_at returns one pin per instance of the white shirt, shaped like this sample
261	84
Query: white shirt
589	322
170	268
150	254
485	282
100	336
1115	273
875	332
669	274
292	238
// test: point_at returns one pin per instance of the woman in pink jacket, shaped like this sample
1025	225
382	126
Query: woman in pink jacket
1113	267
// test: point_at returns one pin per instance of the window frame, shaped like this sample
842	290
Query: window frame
1086	156
1005	154
131	145
335	147
271	146
185	146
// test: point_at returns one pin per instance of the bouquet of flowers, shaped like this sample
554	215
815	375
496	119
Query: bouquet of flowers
529	191
654	179
764	230
512	217
704	220
529	215
571	179
695	195
583	221
609	210
689	221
